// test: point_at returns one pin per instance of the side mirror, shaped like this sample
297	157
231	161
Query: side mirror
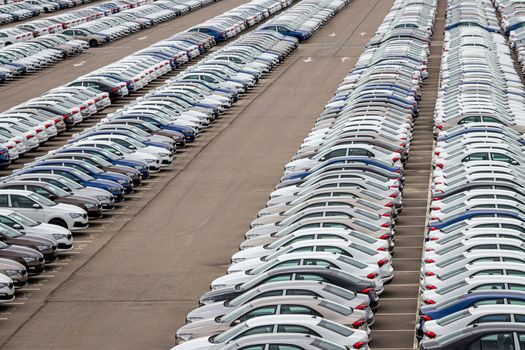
52	197
37	206
17	226
514	162
235	323
67	189
322	159
132	147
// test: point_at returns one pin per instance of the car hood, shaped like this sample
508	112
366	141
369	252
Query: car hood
208	311
206	327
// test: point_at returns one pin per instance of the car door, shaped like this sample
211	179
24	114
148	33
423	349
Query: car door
28	207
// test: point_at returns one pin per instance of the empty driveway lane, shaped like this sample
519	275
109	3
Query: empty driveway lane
35	84
137	289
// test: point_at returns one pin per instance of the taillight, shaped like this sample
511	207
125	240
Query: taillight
437	153
395	159
436	208
371	275
382	249
9	147
384	237
38	130
389	205
440	127
430	334
440	165
385	225
48	125
429	261
17	141
429	302
361	306
115	89
431	287
358	323
426	317
393	195
366	290
386	214
429	249
29	137
359	344
382	262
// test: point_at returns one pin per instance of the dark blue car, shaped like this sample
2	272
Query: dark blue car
465	301
349	159
80	177
109	157
5	159
473	213
121	179
189	133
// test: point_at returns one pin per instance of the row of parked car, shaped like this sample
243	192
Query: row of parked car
24	127
473	269
316	259
41	203
55	40
513	22
20	10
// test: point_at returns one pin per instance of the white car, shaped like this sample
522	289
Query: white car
285	324
42	209
21	222
7	289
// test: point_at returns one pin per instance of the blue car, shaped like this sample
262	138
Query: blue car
121	179
216	33
473	213
110	157
5	159
349	159
189	133
301	35
114	188
465	301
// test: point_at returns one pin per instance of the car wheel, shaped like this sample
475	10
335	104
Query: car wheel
93	43
58	222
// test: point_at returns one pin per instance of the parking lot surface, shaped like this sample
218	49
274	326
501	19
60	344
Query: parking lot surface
143	270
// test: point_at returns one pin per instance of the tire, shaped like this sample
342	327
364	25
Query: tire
58	222
93	43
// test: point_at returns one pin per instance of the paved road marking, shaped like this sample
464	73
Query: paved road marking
79	64
344	59
309	59
333	34
143	37
362	33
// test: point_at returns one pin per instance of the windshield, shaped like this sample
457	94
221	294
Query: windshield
236	313
230	333
69	183
81	175
23	220
57	190
241	299
41	200
9	232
